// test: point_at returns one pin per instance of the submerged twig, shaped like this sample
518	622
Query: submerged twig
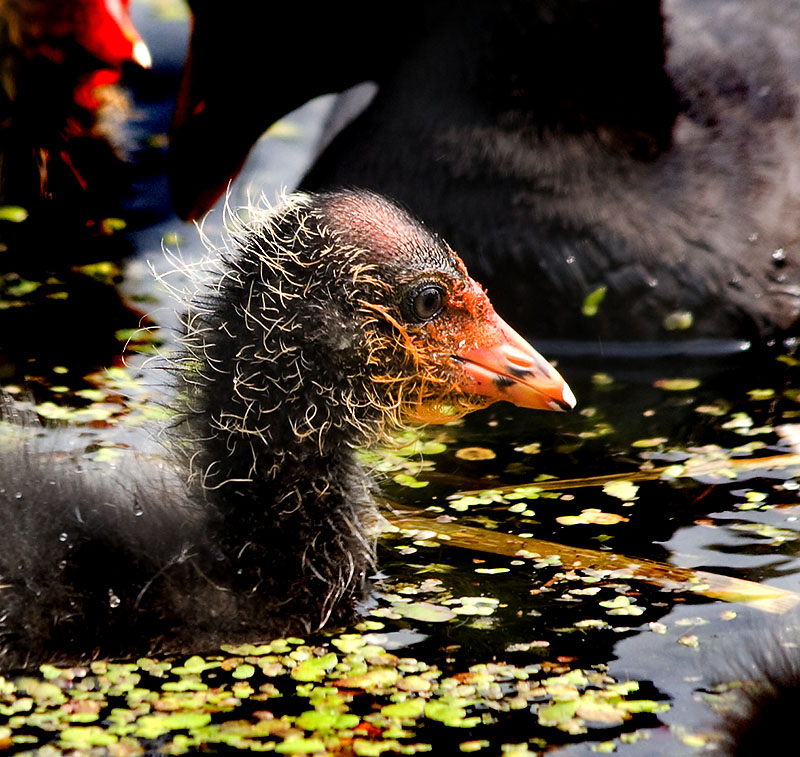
726	588
704	467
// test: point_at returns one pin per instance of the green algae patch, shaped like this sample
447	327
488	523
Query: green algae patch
360	698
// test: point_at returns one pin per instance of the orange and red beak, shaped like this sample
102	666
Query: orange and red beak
501	365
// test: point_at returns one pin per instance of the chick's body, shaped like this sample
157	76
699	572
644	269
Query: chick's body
326	324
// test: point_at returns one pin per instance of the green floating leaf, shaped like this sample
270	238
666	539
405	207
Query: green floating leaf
404	479
652	442
109	226
13	213
738	421
244	671
153	726
591	303
349	642
105	271
376	678
411	709
109	455
449	714
624	490
525	492
677	384
621	606
53	412
23	287
93	395
473	746
475	453
300	746
680	320
315	668
425	611
316	720
474	605
433	448
364	748
84	738
591	516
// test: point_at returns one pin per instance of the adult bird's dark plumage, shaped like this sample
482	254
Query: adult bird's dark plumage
326	323
629	159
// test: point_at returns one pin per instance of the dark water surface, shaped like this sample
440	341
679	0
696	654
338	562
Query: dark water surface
440	610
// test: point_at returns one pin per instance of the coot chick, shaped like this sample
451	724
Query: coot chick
640	152
331	321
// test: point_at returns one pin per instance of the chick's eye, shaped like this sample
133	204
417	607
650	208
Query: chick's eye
427	301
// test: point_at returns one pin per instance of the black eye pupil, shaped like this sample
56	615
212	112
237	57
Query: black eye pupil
427	302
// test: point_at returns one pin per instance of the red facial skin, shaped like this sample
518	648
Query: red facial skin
501	365
483	358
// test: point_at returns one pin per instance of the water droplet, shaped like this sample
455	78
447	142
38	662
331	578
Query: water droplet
652	283
570	259
752	238
18	495
62	564
137	509
113	599
779	256
63	536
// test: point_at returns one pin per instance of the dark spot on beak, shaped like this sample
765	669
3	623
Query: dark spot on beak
518	372
502	381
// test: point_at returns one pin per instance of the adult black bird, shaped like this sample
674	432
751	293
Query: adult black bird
327	323
632	165
59	108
